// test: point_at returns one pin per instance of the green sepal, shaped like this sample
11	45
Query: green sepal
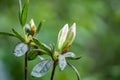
18	35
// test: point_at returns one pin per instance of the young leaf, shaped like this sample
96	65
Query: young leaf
39	27
41	68
24	13
18	35
52	47
20	49
42	46
62	62
76	71
20	9
7	34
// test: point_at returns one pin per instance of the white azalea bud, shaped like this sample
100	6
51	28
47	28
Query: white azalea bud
62	37
33	27
32	23
71	35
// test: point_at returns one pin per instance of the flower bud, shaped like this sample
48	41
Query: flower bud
27	29
33	27
62	37
71	35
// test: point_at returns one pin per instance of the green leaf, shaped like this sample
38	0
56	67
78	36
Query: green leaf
20	49
20	6
39	27
52	47
34	53
18	35
20	9
24	13
41	68
42	46
73	58
7	34
76	71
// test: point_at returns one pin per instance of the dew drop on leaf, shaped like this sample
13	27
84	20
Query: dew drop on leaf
20	49
41	68
62	62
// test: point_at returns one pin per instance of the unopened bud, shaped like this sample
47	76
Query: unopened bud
33	27
66	37
27	29
71	34
62	37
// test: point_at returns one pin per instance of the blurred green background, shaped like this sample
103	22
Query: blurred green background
97	40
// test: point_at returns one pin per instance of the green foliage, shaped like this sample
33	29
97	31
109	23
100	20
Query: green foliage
18	35
23	12
7	34
73	58
39	27
32	47
76	71
97	39
20	9
42	46
35	52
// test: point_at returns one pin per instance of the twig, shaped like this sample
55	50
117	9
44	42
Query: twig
26	67
53	71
